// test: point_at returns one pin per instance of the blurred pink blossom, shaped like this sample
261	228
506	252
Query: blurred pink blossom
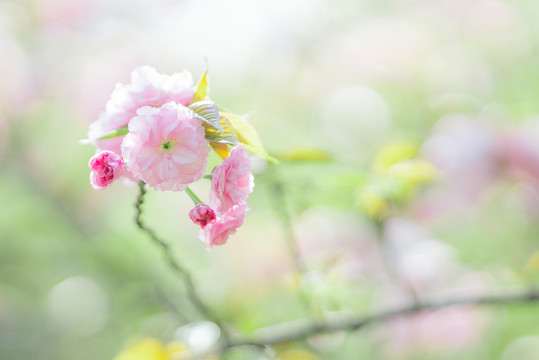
519	151
445	330
463	148
419	261
227	223
147	88
232	181
105	168
202	215
166	147
332	240
64	13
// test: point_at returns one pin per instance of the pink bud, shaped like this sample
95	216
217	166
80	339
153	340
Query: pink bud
202	215
105	168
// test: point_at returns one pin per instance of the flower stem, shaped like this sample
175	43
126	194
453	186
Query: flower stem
193	196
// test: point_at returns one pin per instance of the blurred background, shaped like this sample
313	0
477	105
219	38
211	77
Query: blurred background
409	144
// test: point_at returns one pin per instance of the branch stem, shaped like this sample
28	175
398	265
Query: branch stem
303	329
174	264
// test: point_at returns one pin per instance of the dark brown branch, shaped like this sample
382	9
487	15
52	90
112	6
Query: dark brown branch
178	269
303	329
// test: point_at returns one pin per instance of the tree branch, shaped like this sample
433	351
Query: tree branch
178	269
302	329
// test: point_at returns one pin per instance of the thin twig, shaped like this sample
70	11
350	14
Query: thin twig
178	269
303	329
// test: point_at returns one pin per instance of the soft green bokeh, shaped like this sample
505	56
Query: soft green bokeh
329	84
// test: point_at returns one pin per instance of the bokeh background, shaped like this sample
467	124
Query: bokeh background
409	144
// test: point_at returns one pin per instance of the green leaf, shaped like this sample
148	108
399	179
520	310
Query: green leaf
371	201
248	137
115	133
207	112
227	135
393	153
202	88
414	172
304	153
221	149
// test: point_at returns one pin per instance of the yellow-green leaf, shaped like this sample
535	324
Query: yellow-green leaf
202	88
248	137
394	153
532	265
206	111
221	149
372	202
297	354
414	172
178	350
145	349
304	153
226	134
115	133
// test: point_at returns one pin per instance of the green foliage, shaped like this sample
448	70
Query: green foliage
427	63
206	111
115	133
248	137
202	89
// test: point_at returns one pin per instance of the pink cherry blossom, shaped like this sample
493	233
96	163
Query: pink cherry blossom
147	88
202	215
166	147
105	168
226	224
232	181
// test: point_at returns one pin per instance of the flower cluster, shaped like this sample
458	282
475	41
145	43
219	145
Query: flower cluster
231	183
159	129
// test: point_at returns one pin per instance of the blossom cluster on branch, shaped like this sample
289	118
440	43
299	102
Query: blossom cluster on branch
159	130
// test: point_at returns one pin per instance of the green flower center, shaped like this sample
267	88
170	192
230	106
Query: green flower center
166	145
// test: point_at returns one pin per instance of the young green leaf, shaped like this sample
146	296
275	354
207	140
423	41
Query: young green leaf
248	136
305	153
115	133
207	112
226	136
393	153
223	150
202	89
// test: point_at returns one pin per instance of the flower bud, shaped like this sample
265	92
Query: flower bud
202	215
105	168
